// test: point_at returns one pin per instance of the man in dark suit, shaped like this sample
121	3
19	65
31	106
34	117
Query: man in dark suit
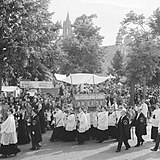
41	116
35	130
140	124
123	131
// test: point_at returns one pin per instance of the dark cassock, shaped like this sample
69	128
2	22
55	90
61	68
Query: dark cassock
35	131
41	117
23	130
140	124
123	128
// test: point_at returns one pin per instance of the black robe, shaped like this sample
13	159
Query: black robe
123	128
23	131
35	129
42	120
140	124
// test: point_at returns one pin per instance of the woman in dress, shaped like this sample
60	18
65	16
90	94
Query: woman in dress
9	136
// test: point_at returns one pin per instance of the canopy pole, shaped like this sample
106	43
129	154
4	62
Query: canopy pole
71	82
71	87
95	91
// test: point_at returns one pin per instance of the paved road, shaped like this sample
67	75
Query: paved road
88	151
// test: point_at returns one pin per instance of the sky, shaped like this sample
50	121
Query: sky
110	13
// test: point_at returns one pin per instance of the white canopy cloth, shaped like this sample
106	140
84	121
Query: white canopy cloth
60	77
9	88
82	78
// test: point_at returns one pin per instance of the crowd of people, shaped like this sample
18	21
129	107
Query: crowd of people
25	118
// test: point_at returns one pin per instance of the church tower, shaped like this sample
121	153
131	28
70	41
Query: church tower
67	29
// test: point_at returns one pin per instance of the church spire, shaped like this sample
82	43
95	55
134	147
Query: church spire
67	19
67	29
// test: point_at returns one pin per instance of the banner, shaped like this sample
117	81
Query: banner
89	100
36	84
89	96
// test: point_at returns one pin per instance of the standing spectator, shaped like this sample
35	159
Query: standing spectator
45	105
144	108
9	136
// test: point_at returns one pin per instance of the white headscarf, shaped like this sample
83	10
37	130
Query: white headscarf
8	126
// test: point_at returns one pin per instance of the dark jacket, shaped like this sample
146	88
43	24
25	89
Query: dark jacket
42	120
124	128
140	124
36	130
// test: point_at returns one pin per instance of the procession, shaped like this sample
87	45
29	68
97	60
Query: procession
79	80
24	119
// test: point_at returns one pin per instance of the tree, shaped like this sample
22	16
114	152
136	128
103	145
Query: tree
83	50
142	63
27	36
143	57
154	23
117	64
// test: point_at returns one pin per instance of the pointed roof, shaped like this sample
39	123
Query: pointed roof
67	18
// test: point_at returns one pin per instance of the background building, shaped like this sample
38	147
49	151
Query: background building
67	28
